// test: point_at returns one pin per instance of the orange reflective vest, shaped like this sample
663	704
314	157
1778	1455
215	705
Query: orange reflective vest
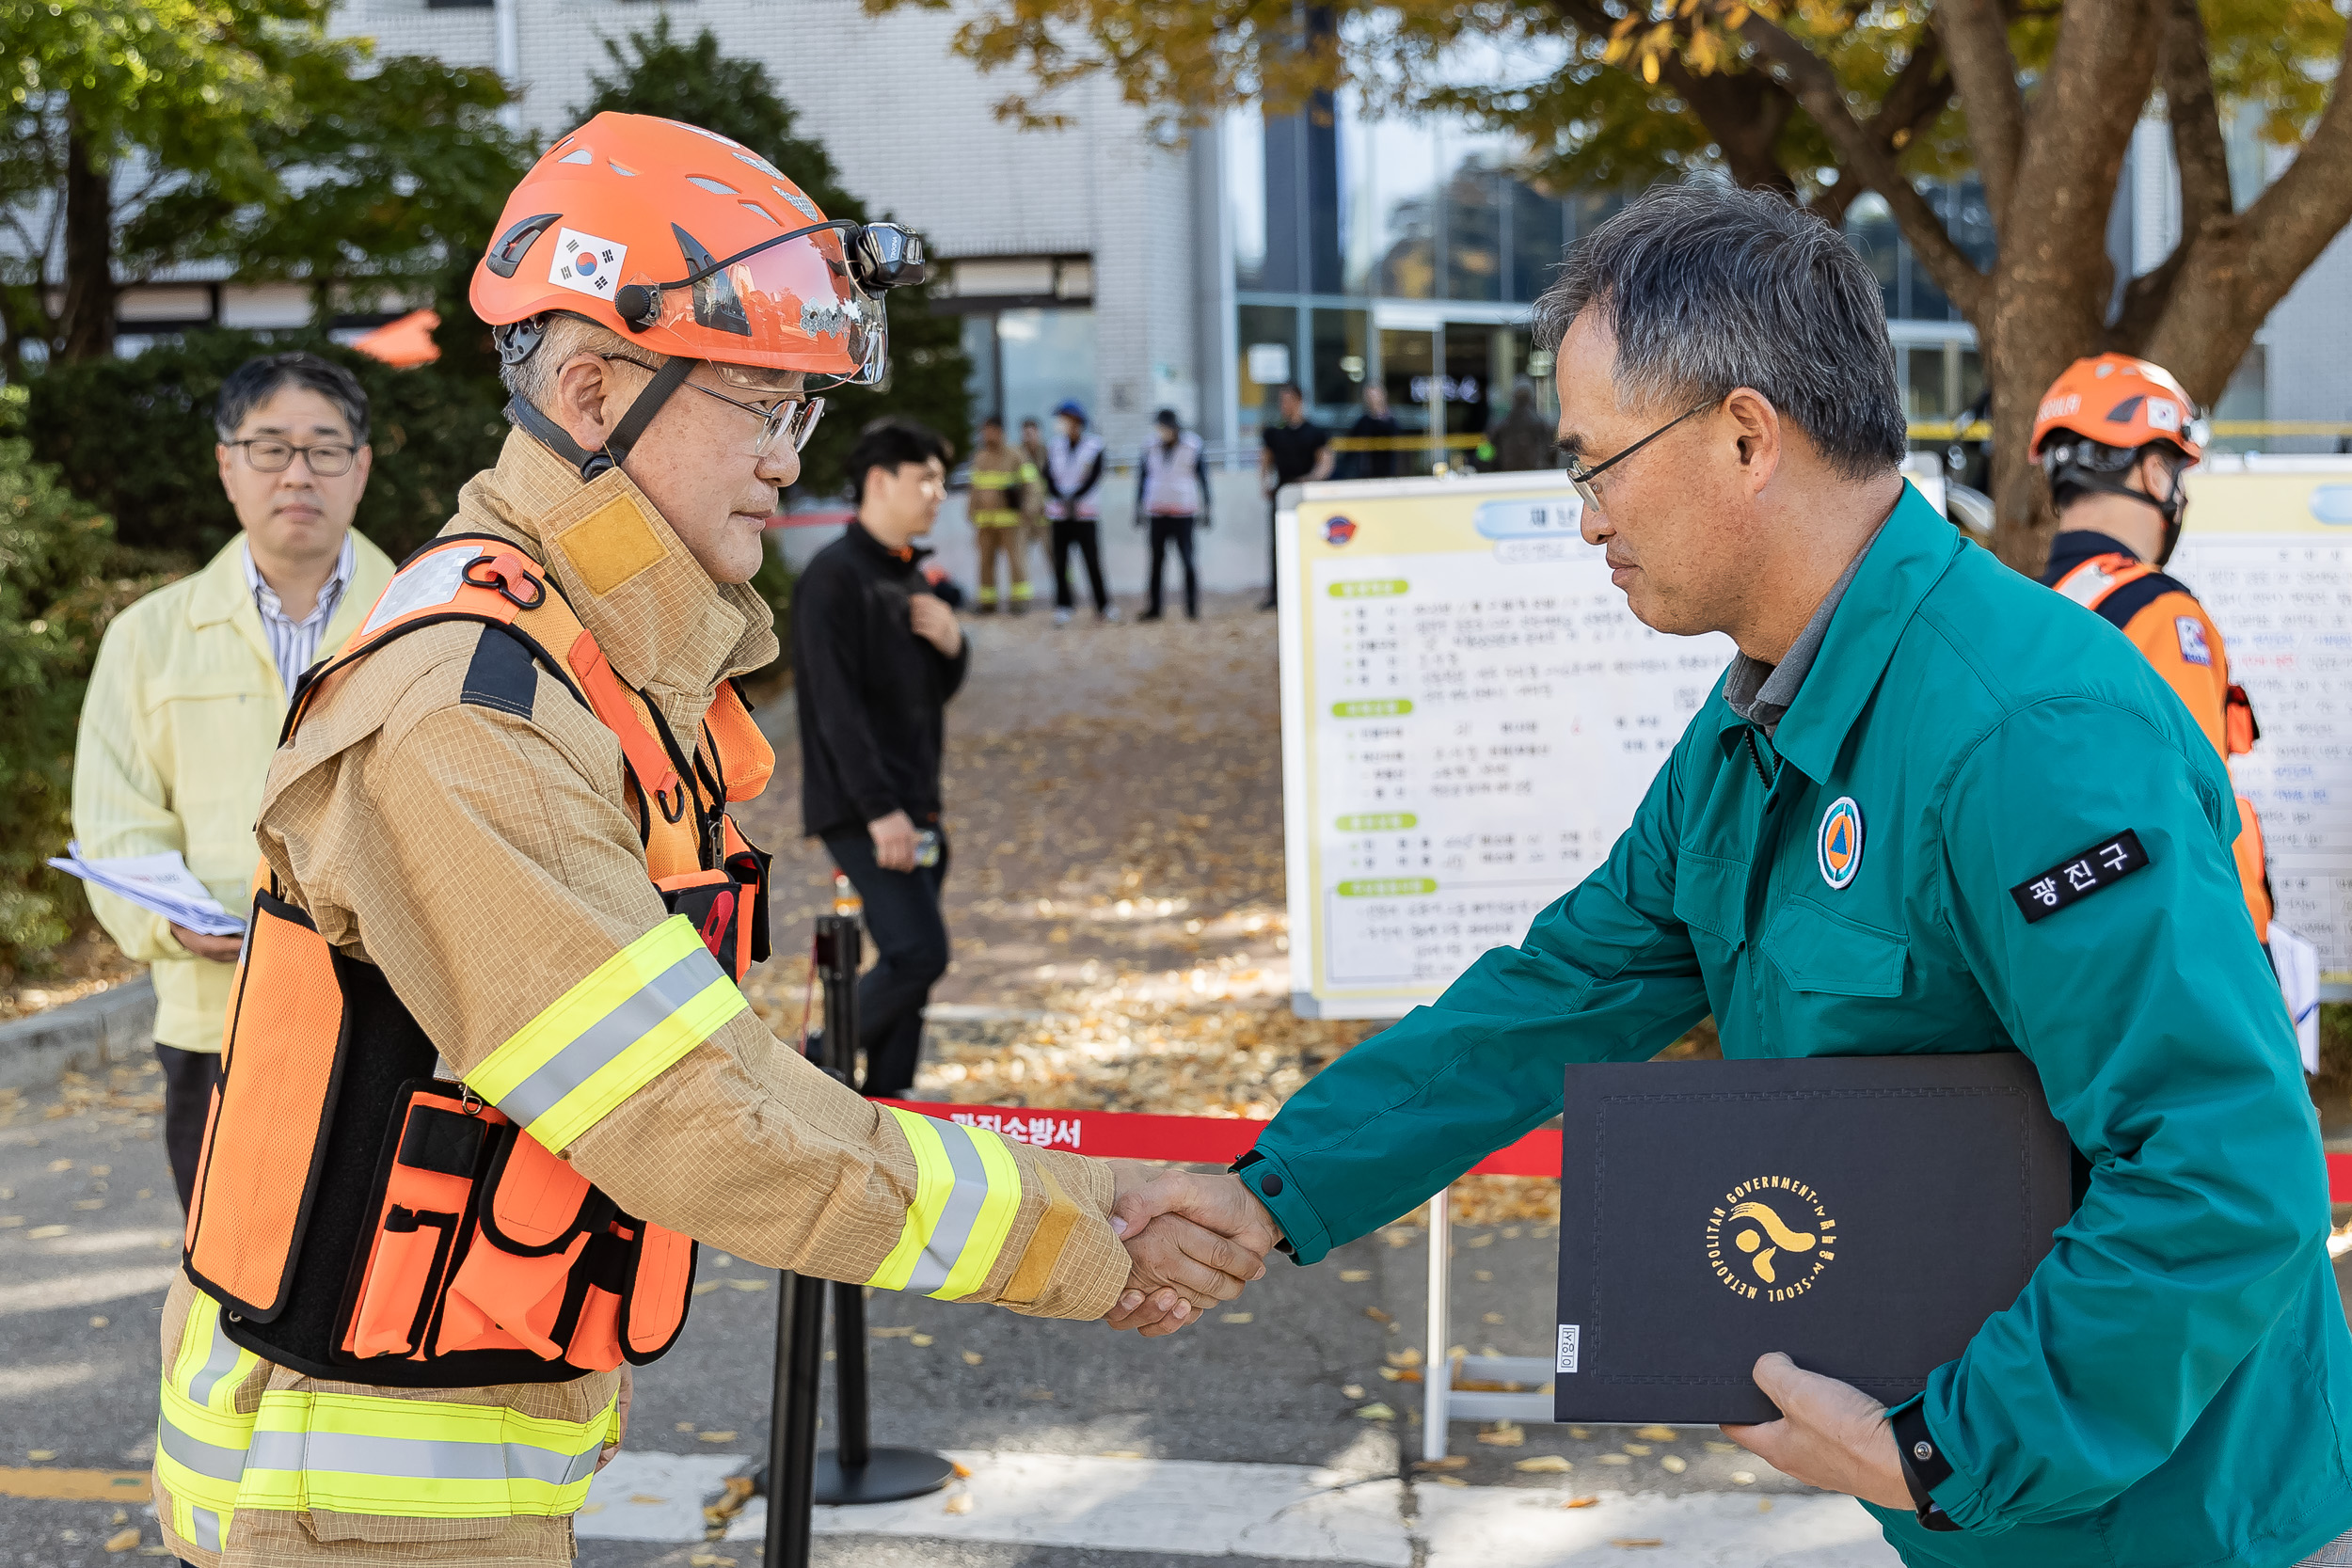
2169	627
360	1217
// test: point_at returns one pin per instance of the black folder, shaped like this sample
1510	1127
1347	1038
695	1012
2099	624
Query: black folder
1866	1214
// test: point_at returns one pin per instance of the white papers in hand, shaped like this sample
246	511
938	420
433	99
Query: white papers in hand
160	884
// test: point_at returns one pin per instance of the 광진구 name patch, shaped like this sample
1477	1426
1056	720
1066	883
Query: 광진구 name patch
2103	865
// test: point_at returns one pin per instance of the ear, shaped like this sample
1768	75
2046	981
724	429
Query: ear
228	456
362	461
586	401
1756	430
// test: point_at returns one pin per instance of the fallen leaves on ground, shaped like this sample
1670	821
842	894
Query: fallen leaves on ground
122	1540
959	1503
1376	1410
1636	1541
1503	1435
1656	1434
1544	1463
1579	1502
1673	1463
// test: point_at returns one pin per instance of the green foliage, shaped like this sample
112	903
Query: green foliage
135	436
143	134
56	599
655	73
403	170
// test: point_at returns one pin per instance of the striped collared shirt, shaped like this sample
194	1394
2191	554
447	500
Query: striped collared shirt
294	644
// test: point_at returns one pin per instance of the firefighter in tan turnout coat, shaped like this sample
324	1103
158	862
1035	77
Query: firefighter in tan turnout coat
489	1068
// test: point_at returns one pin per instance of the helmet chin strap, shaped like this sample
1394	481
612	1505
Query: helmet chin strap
535	423
2170	508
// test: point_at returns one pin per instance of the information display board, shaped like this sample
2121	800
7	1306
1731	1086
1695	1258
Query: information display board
1471	714
1469	717
2268	551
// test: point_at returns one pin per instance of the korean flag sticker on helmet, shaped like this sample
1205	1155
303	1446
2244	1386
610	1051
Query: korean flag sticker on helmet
586	264
1839	846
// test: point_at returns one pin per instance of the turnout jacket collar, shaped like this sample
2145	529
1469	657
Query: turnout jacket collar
666	627
1910	553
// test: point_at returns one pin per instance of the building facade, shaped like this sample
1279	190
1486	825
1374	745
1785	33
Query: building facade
1126	272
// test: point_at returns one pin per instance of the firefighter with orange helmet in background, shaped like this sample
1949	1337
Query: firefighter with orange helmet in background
2115	434
490	1075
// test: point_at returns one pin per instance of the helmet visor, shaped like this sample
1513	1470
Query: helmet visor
795	304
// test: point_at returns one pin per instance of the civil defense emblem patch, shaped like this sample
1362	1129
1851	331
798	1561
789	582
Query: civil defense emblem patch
1839	846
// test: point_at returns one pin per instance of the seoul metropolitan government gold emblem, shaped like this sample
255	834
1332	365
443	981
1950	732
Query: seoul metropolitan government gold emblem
1755	1250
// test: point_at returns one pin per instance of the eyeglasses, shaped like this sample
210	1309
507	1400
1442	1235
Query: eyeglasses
795	416
329	460
1582	477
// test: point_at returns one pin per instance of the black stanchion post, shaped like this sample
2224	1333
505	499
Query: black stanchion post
792	1429
854	1471
797	1476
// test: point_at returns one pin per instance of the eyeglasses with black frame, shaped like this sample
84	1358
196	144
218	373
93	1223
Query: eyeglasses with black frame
267	454
1581	477
795	414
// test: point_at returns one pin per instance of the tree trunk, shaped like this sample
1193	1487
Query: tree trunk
2040	319
87	327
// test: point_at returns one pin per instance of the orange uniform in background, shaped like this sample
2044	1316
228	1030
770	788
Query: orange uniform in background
2098	425
2166	624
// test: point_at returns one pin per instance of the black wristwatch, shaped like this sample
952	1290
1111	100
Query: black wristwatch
1268	1186
1923	1466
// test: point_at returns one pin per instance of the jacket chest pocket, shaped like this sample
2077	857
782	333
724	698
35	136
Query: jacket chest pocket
1710	897
1827	954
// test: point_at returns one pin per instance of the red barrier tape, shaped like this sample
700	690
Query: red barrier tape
1221	1140
1201	1140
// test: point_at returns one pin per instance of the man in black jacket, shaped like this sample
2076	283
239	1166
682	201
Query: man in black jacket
876	655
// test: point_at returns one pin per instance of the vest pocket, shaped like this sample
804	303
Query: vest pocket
266	1136
426	1195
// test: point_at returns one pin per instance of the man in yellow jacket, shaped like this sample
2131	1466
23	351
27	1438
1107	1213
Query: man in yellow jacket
190	687
470	837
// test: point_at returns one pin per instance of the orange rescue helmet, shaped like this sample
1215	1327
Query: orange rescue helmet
2121	402
694	246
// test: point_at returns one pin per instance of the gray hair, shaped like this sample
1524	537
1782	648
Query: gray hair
255	382
534	379
1707	288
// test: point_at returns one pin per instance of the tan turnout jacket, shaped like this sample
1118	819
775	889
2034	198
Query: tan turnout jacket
487	859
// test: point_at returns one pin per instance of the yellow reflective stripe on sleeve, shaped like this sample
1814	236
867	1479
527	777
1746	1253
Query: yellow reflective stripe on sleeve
611	1035
967	1191
1000	1201
933	1181
358	1453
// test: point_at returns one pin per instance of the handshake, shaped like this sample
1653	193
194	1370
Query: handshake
1192	1240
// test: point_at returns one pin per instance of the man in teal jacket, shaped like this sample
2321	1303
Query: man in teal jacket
1935	808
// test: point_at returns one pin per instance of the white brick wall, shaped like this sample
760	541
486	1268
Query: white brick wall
913	130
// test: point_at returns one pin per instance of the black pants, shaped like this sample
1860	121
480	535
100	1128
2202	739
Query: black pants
1177	531
910	948
188	1080
1087	534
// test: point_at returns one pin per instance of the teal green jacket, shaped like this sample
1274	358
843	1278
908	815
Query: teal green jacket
2174	1385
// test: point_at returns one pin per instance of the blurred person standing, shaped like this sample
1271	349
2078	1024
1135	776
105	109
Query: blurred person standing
876	655
1073	473
1296	449
1172	496
190	687
1375	423
1001	477
1523	439
1035	529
